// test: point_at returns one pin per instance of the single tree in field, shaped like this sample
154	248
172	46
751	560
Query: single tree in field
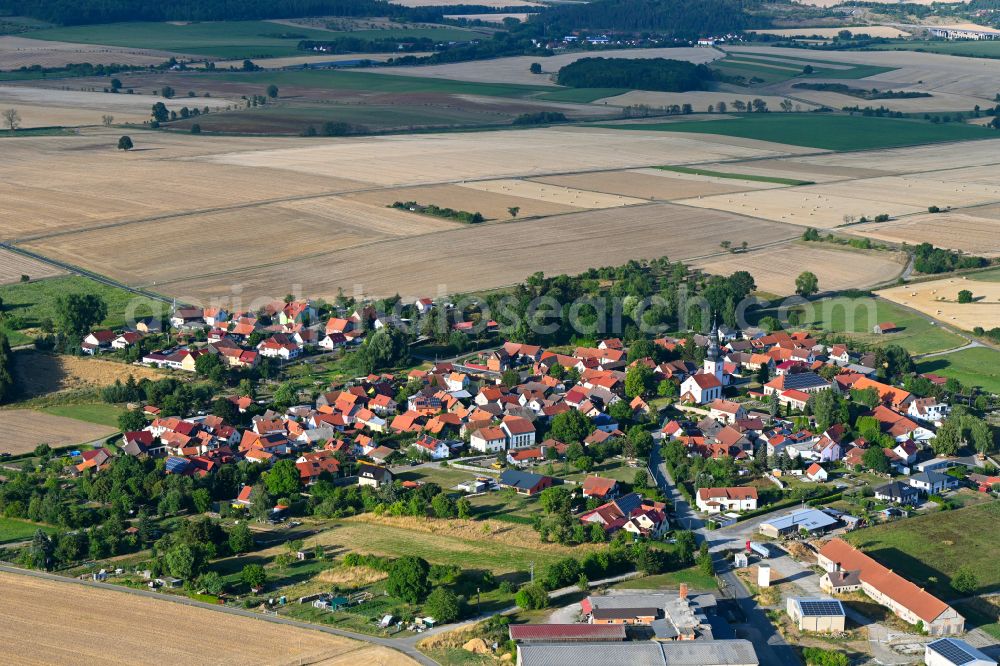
535	68
107	119
160	112
806	284
725	245
272	91
125	143
12	119
965	296
514	210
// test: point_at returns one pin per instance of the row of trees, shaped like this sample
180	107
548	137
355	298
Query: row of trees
7	384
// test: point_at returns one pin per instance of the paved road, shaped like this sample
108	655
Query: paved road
402	646
772	650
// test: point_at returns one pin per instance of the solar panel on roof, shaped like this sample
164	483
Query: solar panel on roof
820	608
952	652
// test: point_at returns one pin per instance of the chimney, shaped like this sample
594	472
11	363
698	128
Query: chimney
683	591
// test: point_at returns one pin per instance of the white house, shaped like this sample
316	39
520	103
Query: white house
488	440
97	341
333	341
456	381
701	388
928	409
932	483
520	432
726	410
816	473
717	500
435	448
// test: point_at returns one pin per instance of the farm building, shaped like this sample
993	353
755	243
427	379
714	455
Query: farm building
567	633
651	653
820	615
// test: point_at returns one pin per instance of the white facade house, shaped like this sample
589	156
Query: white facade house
717	500
488	440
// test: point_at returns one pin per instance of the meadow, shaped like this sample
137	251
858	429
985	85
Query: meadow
984	48
853	316
29	305
227	39
99	413
928	550
12	529
972	367
824	131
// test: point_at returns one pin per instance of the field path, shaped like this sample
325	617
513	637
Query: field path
408	650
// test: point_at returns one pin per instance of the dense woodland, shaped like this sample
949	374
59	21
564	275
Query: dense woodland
79	12
686	19
639	74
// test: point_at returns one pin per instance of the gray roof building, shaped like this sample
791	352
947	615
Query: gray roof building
674	653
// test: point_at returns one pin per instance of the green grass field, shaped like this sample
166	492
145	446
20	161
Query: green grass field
823	130
929	549
12	529
99	413
226	39
27	305
693	576
972	367
859	316
736	176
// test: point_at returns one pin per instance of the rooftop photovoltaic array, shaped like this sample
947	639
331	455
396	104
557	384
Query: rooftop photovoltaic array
953	652
816	607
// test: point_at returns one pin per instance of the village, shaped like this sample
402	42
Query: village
761	443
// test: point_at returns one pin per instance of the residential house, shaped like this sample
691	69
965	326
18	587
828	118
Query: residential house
97	341
717	500
726	411
600	487
630	513
928	410
488	440
932	483
280	345
898	493
815	472
373	475
520	432
436	449
126	340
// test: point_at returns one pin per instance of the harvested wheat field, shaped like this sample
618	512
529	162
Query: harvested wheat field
963	231
516	69
17	52
871	30
798	169
939	299
291	61
938	158
775	268
14	265
475	257
493	206
43	625
53	184
558	194
24	429
39	374
938	101
307	227
654	184
826	205
452	158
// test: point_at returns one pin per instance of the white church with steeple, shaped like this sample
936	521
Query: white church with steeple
706	385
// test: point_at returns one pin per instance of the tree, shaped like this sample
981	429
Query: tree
443	605
196	129
131	420
874	458
808	69
464	508
272	91
253	576
514	210
532	597
201	499
76	313
536	68
556	499
570	426
949	437
444	506
282	479
39	554
981	434
12	119
806	284
240	539
167	92
965	296
211	582
161	113
639	442
408	579
125	143
182	561
965	580
510	378
638	380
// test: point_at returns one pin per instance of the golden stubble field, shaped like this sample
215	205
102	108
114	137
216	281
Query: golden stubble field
653	184
40	373
14	265
966	231
939	299
775	268
21	430
43	624
16	52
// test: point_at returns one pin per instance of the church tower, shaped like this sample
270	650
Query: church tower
713	362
